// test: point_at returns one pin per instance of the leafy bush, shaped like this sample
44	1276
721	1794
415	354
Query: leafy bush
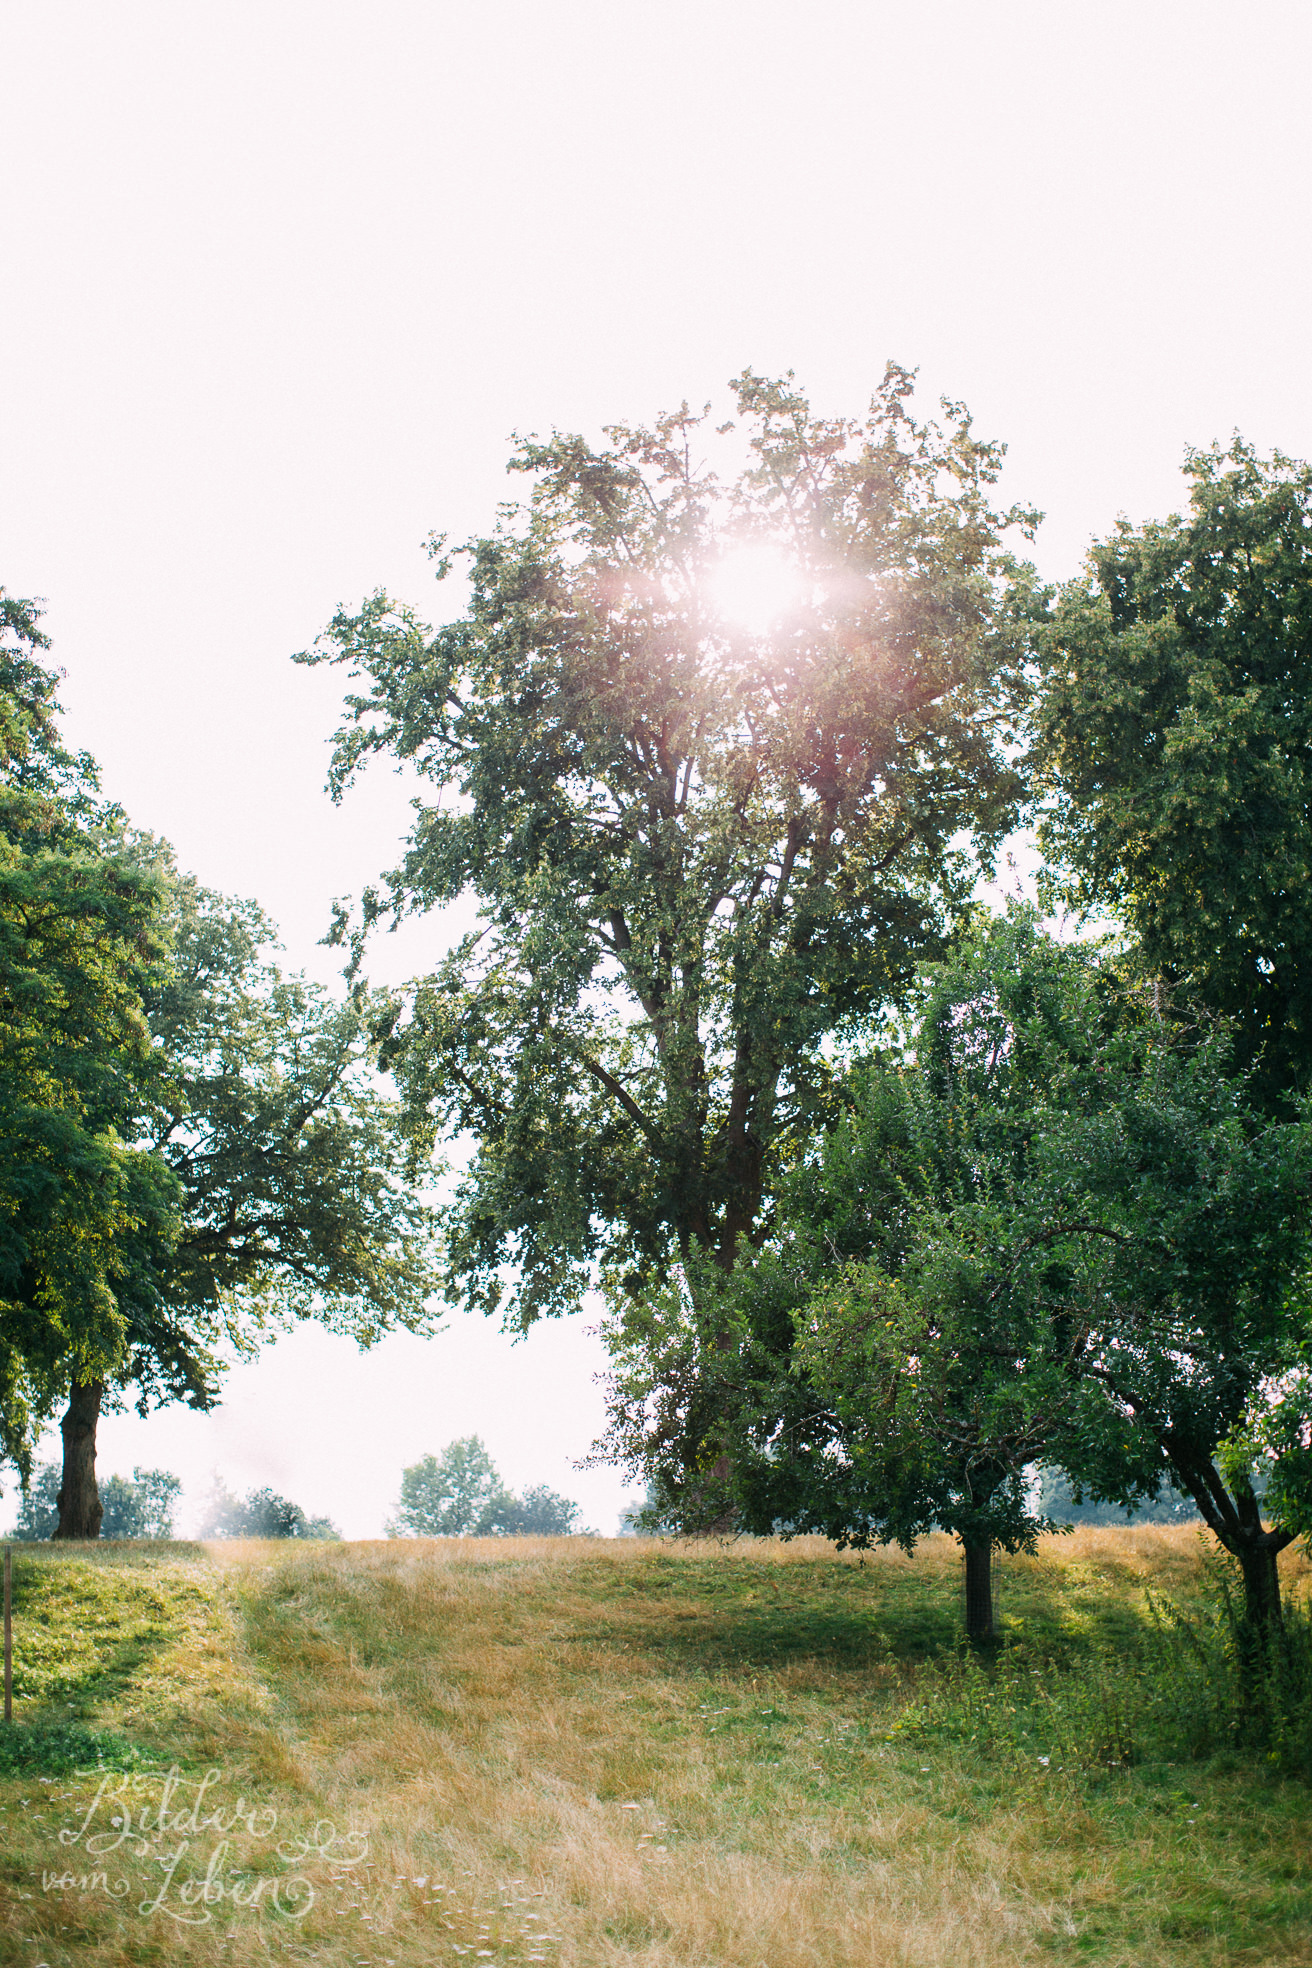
1030	1714
142	1508
260	1514
1223	1685
460	1494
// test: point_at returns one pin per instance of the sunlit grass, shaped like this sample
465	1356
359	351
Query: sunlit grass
588	1752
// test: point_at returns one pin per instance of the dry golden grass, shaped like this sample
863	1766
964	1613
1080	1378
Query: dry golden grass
593	1753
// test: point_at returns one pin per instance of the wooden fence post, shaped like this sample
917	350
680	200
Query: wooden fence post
9	1637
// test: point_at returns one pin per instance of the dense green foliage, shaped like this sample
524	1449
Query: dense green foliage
1174	731
290	1161
460	1494
88	1217
869	1389
698	848
1054	1228
191	1144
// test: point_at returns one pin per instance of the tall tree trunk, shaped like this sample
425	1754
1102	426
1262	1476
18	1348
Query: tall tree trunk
1258	1563
1232	1511
1261	1632
1263	1628
79	1499
725	1521
979	1591
1233	1514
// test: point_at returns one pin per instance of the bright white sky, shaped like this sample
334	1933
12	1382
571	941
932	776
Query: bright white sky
281	278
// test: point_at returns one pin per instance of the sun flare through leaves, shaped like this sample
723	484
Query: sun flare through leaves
755	585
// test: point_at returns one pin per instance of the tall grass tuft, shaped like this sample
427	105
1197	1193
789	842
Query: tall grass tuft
1202	1684
1031	1715
1220	1686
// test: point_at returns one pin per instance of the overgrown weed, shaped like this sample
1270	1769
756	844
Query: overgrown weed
1021	1716
1195	1683
1220	1686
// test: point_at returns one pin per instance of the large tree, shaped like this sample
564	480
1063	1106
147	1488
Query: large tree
81	1200
1174	730
715	757
865	1377
293	1197
1053	1228
461	1494
192	1146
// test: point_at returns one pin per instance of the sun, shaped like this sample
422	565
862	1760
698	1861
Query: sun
753	586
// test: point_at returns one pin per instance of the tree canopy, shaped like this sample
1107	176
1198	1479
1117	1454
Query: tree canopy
192	1146
1054	1229
461	1494
85	1210
1174	734
702	835
288	1169
260	1513
290	1160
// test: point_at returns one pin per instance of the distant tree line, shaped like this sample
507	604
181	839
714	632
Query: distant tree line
456	1494
141	1508
146	1507
461	1494
1056	1499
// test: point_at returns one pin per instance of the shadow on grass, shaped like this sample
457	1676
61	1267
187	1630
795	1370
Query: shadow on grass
853	1617
56	1748
780	1636
733	1612
88	1618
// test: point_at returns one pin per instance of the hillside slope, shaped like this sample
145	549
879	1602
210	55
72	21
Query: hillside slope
591	1753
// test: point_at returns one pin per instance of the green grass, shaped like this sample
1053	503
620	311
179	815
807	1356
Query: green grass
759	1757
91	1624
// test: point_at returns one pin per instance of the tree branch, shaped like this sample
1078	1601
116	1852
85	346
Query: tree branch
621	1094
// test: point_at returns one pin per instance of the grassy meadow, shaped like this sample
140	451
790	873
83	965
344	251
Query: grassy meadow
595	1752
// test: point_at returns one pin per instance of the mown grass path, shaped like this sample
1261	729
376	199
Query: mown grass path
589	1753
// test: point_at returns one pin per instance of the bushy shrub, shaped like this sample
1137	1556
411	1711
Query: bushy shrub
1205	1683
1222	1685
